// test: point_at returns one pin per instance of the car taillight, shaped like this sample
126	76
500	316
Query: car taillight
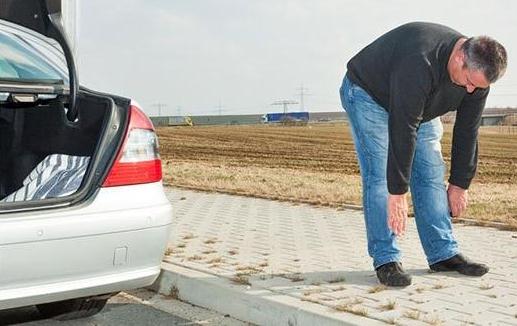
138	160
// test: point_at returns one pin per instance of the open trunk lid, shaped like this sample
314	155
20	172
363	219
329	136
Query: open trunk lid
44	17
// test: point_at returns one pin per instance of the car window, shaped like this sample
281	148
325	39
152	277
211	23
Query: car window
23	62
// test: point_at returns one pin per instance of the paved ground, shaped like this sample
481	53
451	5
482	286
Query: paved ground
314	259
134	308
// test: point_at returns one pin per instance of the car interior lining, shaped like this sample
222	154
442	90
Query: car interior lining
29	135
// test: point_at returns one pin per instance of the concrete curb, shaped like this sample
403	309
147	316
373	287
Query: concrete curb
248	303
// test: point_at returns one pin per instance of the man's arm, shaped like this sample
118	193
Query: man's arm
464	140
410	86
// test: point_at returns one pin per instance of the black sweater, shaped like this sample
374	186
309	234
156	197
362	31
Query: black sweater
405	72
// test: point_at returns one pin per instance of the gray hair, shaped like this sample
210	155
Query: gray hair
485	54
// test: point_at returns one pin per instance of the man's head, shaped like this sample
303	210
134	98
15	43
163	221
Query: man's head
477	62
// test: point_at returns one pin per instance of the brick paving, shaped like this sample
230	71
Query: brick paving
318	256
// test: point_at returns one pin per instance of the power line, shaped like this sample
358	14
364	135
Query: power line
302	94
220	108
159	106
284	103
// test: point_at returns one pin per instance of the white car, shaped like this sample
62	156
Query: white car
83	213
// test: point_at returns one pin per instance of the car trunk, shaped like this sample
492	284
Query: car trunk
42	119
29	134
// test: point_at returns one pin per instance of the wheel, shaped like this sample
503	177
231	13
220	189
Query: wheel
73	308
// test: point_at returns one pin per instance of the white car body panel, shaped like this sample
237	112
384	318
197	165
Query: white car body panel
115	241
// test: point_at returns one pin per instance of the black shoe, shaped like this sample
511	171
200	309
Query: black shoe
392	274
461	265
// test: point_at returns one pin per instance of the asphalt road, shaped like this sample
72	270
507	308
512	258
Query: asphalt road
138	308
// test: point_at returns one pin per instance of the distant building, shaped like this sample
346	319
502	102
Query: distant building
243	119
204	120
171	121
490	117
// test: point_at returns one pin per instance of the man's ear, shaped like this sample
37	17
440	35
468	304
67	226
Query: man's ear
460	58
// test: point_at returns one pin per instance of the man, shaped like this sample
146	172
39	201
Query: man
394	92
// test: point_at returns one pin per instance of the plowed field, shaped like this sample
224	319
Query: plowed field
317	164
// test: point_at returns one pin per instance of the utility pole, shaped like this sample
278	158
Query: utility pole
302	92
159	106
220	108
178	110
284	103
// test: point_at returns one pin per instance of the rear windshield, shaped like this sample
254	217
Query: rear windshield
21	61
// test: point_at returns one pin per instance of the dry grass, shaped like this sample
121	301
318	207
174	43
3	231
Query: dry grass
486	286
433	320
493	202
413	314
329	189
355	301
420	289
313	300
194	258
294	277
216	260
377	288
327	299
211	241
390	305
440	285
188	236
249	270
174	293
351	308
339	288
241	279
317	164
174	252
312	291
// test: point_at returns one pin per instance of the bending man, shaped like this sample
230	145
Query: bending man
394	92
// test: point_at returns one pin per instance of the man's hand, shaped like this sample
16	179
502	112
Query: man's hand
397	213
458	200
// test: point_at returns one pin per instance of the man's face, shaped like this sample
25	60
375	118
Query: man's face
471	79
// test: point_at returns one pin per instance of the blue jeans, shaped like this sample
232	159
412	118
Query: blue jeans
369	126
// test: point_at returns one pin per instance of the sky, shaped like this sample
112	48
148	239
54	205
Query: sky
194	57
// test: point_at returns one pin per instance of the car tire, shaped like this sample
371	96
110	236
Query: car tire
73	308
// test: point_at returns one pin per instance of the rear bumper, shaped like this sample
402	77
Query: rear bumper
79	288
115	242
